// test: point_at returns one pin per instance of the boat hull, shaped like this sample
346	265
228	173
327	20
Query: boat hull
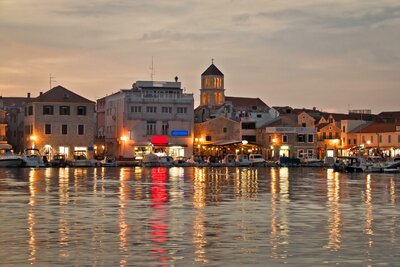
5	163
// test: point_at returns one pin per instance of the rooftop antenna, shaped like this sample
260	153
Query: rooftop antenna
51	80
212	61
152	73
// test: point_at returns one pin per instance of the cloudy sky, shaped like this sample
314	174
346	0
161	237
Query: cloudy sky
332	54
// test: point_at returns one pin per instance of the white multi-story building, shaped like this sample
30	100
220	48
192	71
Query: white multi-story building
152	117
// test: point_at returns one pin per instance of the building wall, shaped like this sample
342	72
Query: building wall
56	139
126	129
303	117
215	129
276	145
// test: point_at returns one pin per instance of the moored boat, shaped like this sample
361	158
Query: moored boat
8	158
32	158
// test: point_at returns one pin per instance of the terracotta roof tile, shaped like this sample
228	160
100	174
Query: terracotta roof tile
60	94
247	102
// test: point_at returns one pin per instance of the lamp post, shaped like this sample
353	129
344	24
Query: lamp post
123	140
33	138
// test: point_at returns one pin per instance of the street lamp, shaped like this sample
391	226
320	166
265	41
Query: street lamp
123	140
33	138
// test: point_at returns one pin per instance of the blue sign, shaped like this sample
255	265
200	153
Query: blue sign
180	133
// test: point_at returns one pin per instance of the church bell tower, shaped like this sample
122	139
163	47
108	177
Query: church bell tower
212	92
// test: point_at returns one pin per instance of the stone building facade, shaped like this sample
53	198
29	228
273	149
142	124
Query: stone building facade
60	122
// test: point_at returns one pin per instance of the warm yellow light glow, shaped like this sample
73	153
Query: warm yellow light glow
124	138
274	140
245	142
196	139
201	139
368	142
285	147
33	137
336	141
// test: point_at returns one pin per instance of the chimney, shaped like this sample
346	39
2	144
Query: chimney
176	78
29	95
314	108
41	93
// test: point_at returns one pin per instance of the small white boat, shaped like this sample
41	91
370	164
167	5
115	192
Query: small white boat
256	160
358	165
8	158
166	161
229	160
242	160
182	162
109	161
32	158
312	162
151	160
80	160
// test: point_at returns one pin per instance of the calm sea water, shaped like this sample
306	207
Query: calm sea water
199	217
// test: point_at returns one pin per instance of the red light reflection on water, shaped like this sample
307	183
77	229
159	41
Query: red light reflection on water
158	227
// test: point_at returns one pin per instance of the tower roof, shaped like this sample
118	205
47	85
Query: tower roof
212	70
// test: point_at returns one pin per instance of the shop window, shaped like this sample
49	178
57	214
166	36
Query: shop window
284	138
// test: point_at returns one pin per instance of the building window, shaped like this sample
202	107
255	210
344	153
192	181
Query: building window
304	124
164	128
81	129
355	141
284	138
372	138
300	153
30	110
349	141
259	116
398	138
389	139
363	139
151	109
166	109
269	139
248	125
324	135
64	110
208	137
64	129
48	110
136	109
310	153
224	129
151	128
330	135
380	138
344	129
301	138
181	110
81	110
250	138
310	138
47	128
330	120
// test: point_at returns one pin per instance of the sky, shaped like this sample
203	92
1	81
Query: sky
334	55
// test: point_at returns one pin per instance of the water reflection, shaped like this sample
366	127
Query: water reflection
335	218
199	203
63	228
124	191
369	210
279	205
197	216
158	225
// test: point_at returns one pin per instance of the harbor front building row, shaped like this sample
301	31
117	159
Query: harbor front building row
159	117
